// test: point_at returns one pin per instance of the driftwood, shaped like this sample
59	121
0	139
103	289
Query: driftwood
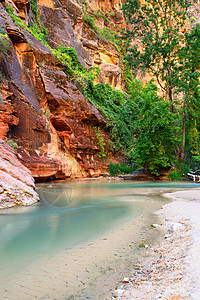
196	178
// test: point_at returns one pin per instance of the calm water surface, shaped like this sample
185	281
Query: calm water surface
72	214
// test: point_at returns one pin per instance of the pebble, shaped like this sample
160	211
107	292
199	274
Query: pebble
118	293
126	280
155	225
162	274
174	226
144	245
167	236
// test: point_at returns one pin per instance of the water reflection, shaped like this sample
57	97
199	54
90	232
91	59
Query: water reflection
70	214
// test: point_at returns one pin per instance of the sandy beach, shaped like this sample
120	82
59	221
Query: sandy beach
171	268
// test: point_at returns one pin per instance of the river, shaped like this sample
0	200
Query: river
79	240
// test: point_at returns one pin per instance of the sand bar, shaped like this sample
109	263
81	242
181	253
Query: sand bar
171	269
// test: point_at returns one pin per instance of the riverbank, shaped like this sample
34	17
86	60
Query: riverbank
170	269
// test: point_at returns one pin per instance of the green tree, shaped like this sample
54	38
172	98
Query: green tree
157	26
159	45
188	85
156	133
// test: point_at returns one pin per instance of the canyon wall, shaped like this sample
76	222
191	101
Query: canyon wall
42	112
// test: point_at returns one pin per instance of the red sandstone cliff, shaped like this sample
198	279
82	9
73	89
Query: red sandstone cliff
40	108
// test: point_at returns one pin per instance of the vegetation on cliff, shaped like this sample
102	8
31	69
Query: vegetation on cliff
154	125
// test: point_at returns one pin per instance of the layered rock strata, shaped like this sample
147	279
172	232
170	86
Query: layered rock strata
16	183
43	111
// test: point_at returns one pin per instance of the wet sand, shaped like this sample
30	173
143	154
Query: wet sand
89	271
171	269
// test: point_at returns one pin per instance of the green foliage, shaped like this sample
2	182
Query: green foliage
100	142
98	14
127	75
36	29
34	8
158	25
13	144
169	53
175	175
107	35
30	146
112	14
188	85
116	169
87	18
181	169
74	70
18	22
4	41
40	34
47	113
141	125
119	112
196	158
155	129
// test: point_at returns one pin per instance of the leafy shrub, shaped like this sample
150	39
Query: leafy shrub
100	142
4	41
74	70
112	14
156	129
40	33
13	144
116	169
117	108
107	35
36	29
47	113
175	175
181	169
18	22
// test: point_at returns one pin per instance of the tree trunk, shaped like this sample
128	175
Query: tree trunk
170	93
183	134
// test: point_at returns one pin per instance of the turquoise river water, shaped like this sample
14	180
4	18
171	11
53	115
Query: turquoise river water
80	223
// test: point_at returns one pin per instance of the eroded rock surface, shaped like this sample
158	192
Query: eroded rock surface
42	110
16	183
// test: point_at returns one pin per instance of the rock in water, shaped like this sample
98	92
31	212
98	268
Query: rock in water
17	186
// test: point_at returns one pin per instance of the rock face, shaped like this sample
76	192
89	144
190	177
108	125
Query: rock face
40	108
65	22
16	183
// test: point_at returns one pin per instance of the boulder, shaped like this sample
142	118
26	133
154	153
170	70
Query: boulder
16	183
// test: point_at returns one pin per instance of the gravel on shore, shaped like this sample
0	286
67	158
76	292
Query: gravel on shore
170	269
